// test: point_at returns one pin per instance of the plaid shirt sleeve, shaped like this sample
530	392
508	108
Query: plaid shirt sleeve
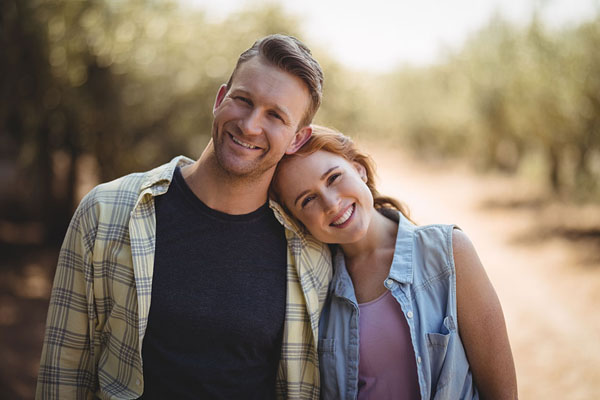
101	294
309	272
67	367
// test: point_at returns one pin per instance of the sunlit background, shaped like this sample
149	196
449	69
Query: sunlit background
485	113
381	35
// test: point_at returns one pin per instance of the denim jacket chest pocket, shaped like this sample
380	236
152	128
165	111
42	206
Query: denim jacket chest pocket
339	349
327	366
446	362
437	348
327	349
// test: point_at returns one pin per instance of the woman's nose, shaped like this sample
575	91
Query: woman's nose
330	203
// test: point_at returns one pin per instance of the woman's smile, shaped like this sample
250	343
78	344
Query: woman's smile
343	218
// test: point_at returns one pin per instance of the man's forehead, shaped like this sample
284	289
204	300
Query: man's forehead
264	81
259	66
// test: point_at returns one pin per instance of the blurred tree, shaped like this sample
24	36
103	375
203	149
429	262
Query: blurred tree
508	94
489	62
28	120
130	84
585	61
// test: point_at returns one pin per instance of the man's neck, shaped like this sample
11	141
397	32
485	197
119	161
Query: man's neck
223	192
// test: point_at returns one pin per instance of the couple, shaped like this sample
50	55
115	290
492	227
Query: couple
215	278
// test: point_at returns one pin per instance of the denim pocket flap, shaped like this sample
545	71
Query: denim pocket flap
326	345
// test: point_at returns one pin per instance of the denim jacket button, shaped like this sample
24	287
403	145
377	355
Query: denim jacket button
409	314
388	283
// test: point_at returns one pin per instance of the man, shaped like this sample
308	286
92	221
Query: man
184	281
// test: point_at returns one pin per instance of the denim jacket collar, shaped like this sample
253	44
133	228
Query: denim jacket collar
402	266
341	283
401	269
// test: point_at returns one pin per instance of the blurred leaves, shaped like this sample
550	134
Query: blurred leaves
510	97
122	86
130	84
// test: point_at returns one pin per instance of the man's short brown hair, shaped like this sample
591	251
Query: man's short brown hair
290	55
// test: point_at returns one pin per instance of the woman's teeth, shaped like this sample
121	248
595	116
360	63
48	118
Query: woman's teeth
344	216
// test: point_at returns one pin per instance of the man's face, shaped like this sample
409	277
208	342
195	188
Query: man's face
256	120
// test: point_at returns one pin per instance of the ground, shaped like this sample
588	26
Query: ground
542	255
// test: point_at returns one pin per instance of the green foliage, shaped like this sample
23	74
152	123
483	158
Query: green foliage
131	84
508	95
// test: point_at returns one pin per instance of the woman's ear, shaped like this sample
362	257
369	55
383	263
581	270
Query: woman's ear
362	171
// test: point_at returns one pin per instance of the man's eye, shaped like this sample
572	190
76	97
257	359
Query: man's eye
243	99
274	114
307	200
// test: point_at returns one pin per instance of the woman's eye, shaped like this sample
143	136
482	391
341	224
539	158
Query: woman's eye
307	200
333	177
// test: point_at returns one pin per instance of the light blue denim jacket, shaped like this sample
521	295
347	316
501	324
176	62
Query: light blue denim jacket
422	279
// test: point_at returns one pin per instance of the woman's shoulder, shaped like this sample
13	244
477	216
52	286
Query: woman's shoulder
432	252
435	236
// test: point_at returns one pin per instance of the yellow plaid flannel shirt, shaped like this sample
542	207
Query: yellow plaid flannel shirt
102	291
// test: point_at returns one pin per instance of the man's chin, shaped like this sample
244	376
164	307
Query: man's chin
241	169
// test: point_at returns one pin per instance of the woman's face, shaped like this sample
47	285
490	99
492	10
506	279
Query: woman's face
328	194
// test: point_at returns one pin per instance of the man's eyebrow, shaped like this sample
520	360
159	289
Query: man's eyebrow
322	177
239	91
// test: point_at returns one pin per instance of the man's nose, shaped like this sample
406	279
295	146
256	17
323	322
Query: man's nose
250	124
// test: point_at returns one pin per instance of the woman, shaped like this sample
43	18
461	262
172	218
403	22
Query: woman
411	312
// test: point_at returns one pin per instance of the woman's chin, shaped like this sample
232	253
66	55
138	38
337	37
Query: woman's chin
341	237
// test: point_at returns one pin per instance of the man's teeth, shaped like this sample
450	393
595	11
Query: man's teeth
246	145
344	217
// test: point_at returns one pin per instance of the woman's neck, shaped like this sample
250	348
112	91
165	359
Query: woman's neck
381	235
368	261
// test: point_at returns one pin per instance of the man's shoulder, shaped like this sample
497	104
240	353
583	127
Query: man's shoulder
122	194
123	187
126	189
108	203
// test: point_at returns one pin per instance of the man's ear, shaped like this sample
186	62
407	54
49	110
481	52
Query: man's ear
362	171
300	138
220	96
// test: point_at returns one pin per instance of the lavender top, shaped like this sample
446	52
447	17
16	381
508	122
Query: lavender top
387	368
422	281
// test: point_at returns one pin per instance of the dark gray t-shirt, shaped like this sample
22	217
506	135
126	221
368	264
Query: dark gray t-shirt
218	301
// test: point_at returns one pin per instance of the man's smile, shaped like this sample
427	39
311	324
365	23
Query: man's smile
243	144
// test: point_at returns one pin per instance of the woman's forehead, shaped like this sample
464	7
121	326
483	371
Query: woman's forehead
303	169
315	160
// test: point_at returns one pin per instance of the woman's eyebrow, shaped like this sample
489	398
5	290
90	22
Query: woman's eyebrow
327	172
299	196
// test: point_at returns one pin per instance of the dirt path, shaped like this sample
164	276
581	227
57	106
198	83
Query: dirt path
543	259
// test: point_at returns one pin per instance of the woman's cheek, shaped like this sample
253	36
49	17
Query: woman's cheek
314	221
